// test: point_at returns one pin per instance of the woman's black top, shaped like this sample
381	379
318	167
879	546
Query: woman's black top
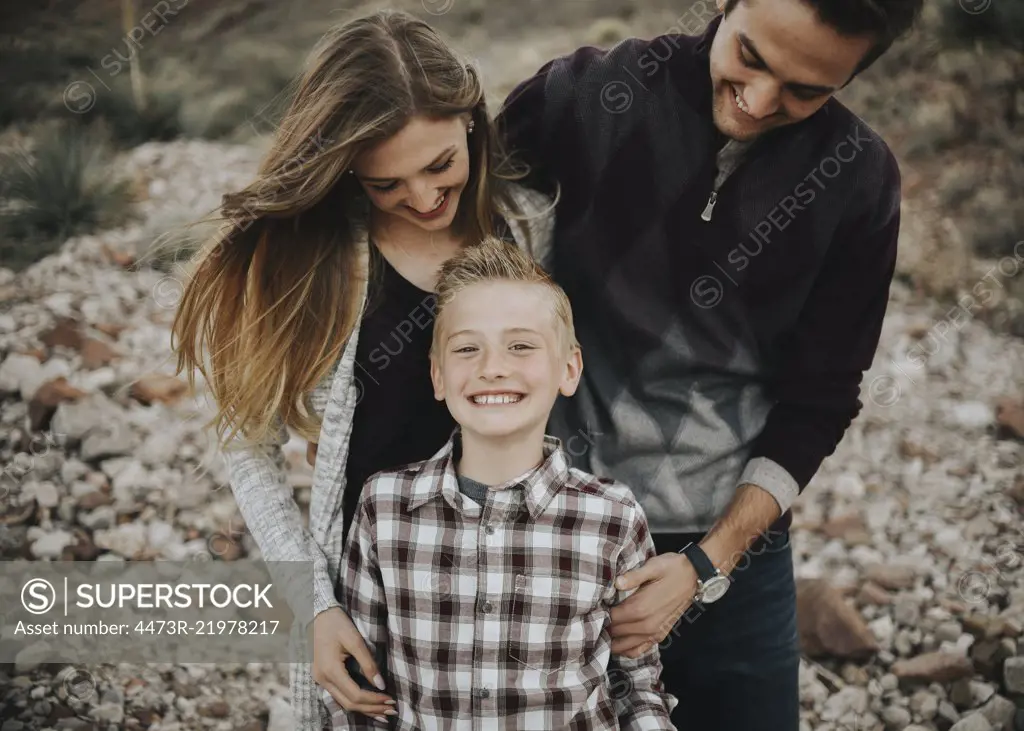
397	420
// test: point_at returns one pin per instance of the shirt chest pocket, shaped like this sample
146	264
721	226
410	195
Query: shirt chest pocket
554	621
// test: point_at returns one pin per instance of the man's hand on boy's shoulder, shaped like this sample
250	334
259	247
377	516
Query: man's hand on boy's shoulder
667	587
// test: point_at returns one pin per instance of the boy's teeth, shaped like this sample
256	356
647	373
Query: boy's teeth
502	398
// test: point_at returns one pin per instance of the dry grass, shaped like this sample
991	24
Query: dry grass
60	188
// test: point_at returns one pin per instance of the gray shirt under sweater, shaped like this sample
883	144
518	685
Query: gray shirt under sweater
473	489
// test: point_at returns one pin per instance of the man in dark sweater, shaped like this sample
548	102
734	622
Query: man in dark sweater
726	230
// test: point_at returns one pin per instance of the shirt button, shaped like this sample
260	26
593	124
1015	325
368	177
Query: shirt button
483	693
488	607
489	529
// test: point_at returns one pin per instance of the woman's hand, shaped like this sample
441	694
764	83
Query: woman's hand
335	638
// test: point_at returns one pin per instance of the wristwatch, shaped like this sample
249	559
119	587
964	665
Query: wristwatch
711	583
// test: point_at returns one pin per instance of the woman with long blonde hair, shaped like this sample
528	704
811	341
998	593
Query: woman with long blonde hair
312	308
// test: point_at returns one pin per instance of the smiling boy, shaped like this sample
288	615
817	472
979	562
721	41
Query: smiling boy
484	576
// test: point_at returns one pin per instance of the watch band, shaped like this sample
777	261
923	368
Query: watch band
701	563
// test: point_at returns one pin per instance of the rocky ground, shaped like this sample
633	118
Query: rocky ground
909	542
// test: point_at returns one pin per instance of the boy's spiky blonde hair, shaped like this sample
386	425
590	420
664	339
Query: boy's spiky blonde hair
493	260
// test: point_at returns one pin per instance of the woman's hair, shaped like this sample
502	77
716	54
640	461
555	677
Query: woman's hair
275	294
493	260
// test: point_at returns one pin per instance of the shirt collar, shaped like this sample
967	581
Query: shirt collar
437	477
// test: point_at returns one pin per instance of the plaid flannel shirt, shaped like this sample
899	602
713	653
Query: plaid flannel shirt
497	616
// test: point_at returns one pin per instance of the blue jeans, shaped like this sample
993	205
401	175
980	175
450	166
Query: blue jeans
733	664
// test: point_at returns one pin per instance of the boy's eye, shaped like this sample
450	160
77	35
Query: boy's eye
465	349
521	347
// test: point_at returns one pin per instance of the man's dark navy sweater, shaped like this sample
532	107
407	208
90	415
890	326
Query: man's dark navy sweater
716	352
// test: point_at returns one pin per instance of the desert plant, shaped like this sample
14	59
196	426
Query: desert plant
159	119
252	87
225	114
62	187
34	73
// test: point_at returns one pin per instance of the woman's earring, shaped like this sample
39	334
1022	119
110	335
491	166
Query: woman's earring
471	126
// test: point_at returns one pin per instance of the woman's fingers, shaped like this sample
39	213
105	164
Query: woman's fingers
363	702
352	643
354	646
333	636
336	694
355	698
363	697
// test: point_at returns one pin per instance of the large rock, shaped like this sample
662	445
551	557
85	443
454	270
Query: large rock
896	718
101	518
828	625
934	667
891	576
1016	492
871	593
157	387
160	447
44	492
970	415
215	708
127	539
51	544
64	334
925	704
849	528
848	700
74	420
1013	675
25	374
974	722
999	712
47	398
130	479
96	353
989	656
112	439
983	626
1010	416
15	370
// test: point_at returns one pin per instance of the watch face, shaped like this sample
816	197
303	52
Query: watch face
714	589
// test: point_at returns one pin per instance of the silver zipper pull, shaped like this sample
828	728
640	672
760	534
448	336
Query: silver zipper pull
710	207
